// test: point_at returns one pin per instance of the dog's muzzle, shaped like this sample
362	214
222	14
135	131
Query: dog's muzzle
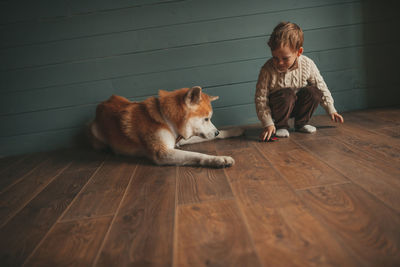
216	133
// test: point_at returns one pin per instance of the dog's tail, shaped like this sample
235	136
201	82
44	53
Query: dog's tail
95	136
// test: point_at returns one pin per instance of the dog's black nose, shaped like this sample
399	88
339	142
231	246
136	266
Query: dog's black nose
216	132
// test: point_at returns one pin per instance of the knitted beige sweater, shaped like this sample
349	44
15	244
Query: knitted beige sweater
302	74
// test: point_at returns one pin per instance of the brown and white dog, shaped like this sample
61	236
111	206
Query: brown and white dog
156	126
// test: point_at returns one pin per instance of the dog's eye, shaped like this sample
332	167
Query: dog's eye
206	119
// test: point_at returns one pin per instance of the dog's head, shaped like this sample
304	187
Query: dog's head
198	121
192	112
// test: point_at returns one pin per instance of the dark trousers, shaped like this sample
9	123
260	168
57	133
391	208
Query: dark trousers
285	104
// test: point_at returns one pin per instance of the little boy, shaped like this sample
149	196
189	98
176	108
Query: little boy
290	85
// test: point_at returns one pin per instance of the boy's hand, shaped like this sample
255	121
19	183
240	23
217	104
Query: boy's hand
336	117
267	132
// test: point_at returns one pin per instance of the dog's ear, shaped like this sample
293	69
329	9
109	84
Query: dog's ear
193	96
213	98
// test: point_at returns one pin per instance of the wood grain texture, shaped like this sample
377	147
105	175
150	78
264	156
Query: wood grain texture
393	132
16	197
370	121
299	168
385	149
355	133
360	168
7	162
171	14
213	234
231	144
200	184
185	57
142	231
18	168
105	190
284	232
23	232
368	229
324	199
129	42
382	151
80	241
196	184
376	118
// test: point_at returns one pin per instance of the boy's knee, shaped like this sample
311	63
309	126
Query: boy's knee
312	92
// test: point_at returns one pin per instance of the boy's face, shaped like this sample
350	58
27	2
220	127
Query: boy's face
284	57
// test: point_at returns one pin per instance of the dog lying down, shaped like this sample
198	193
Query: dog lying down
155	127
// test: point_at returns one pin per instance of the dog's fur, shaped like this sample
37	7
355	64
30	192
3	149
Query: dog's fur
155	127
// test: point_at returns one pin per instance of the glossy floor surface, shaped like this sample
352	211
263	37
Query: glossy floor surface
326	199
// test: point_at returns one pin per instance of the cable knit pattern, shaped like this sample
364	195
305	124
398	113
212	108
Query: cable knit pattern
303	74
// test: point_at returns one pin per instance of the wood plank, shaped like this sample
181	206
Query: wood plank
197	184
123	43
202	184
356	98
40	141
143	84
35	122
82	7
19	169
353	120
368	121
213	234
125	65
283	230
369	229
7	161
12	12
175	13
387	149
207	147
184	57
225	9
142	231
232	143
14	198
71	243
299	168
103	194
393	132
24	231
230	81
360	168
382	117
56	97
384	150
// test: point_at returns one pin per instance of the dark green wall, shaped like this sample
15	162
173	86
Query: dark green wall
60	58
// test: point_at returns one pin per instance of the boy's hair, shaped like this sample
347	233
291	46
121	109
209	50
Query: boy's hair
286	34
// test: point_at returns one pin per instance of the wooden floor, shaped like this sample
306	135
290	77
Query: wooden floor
326	199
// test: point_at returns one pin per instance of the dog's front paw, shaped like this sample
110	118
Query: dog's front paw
232	132
222	161
237	132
